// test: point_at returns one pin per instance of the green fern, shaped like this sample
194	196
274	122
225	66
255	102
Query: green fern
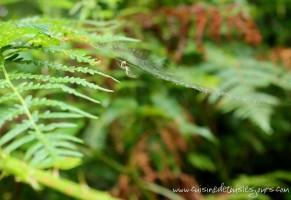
245	78
31	60
235	83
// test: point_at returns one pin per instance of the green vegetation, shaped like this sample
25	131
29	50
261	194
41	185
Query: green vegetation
119	99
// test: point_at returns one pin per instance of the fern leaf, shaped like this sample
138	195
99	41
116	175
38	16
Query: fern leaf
77	55
38	86
58	115
74	69
53	126
60	136
32	44
17	130
32	150
65	144
66	79
3	84
58	104
10	113
18	143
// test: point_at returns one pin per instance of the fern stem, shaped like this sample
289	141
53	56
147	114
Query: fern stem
35	176
38	133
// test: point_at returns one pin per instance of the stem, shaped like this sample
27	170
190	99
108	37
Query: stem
38	132
21	170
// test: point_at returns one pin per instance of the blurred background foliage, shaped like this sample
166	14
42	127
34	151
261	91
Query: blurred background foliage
153	135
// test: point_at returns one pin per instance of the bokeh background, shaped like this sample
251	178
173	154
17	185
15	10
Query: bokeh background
153	135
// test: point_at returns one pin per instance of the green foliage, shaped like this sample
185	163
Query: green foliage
47	144
219	114
40	68
245	78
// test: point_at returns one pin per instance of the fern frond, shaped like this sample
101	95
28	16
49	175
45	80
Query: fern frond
74	69
55	125
39	102
243	78
40	43
10	113
77	55
64	68
38	86
58	115
19	142
58	104
3	84
15	131
32	86
65	79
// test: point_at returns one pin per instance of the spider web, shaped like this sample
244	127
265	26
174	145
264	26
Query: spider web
142	59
